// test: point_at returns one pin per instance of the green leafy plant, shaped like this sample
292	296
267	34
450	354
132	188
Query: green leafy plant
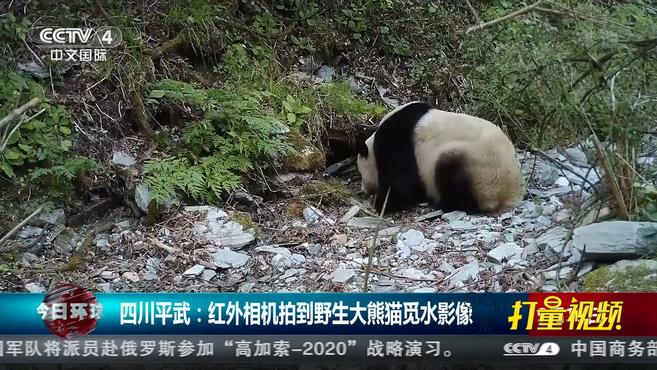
13	29
294	109
41	141
556	82
355	21
236	131
303	43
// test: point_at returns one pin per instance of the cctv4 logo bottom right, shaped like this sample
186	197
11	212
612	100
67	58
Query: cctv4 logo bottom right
531	349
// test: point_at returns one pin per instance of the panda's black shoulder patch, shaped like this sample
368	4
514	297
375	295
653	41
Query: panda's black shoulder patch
394	149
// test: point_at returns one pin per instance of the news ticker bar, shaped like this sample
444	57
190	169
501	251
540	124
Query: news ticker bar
333	348
73	309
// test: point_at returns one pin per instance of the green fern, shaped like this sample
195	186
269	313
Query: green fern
65	172
237	129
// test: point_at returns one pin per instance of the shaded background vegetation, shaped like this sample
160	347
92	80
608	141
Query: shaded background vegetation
204	91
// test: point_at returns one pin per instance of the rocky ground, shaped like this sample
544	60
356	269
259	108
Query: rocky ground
551	242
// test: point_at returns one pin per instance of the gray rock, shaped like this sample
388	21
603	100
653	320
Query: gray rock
142	197
530	246
446	267
585	269
367	222
131	276
454	216
226	258
105	287
389	231
462	225
221	231
102	243
35	69
297	258
34	288
552	239
412	238
562	215
623	265
150	276
562	181
615	240
505	252
463	273
208	274
425	290
403	251
285	260
577	157
29	257
54	217
275	249
246	287
314	249
109	275
430	216
123	159
314	216
354	85
549	288
30	232
342	275
353	211
546	173
564	272
325	74
413	273
153	266
195	270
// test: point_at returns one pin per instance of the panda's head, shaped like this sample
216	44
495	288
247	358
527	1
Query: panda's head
367	166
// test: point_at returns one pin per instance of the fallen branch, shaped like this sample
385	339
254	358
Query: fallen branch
19	111
167	248
473	11
370	252
512	15
19	226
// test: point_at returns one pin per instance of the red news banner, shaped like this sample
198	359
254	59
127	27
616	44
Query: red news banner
586	314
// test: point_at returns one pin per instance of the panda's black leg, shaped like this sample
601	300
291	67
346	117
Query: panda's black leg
402	194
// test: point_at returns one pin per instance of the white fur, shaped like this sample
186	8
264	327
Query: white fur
490	156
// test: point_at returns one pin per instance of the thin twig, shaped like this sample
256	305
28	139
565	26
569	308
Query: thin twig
609	171
20	225
8	136
370	252
19	111
473	11
512	15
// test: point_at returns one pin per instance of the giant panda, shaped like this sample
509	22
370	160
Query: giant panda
454	161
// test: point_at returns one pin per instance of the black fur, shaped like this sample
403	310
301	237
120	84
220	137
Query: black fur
396	162
455	184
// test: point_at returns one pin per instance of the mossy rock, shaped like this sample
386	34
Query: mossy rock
294	209
246	221
332	192
306	156
623	276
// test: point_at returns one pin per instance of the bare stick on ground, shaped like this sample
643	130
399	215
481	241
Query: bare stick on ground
19	226
19	111
512	15
370	252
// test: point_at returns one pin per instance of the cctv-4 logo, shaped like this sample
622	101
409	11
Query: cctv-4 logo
531	349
